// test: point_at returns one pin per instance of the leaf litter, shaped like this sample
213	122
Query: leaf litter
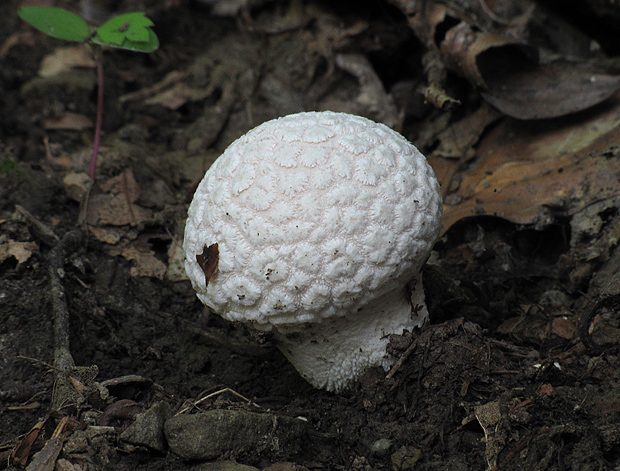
518	368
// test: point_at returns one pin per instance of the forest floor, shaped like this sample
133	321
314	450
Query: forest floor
519	366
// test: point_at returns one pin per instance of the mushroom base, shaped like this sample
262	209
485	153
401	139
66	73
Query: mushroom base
332	354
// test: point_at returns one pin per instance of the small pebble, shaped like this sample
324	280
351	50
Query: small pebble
381	446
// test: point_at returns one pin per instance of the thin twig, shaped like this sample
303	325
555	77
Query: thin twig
402	359
217	393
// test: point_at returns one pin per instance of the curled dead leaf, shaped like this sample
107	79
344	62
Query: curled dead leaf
479	55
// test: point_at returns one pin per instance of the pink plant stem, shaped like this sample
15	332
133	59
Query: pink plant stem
93	157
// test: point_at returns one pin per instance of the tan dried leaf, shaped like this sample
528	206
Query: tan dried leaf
145	263
64	59
21	251
70	121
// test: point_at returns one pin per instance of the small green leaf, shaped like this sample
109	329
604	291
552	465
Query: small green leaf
56	22
130	31
150	46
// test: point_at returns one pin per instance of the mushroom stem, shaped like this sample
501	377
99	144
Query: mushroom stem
334	353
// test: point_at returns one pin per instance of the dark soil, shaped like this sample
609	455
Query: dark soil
504	377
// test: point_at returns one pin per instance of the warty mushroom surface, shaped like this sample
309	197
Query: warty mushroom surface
322	222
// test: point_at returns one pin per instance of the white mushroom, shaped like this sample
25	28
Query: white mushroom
316	226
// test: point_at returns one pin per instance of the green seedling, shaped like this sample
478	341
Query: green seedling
131	31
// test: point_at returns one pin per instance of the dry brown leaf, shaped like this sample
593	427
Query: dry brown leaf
70	121
457	141
563	328
125	183
534	172
549	91
21	452
145	263
144	93
77	185
110	236
176	96
115	210
115	205
21	251
15	39
64	59
605	334
45	459
460	38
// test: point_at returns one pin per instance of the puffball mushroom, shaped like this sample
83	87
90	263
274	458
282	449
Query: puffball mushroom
315	226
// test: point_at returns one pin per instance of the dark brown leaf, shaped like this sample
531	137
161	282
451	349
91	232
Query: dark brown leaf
549	91
124	409
208	260
21	452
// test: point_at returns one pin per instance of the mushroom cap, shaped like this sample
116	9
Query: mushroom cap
315	215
